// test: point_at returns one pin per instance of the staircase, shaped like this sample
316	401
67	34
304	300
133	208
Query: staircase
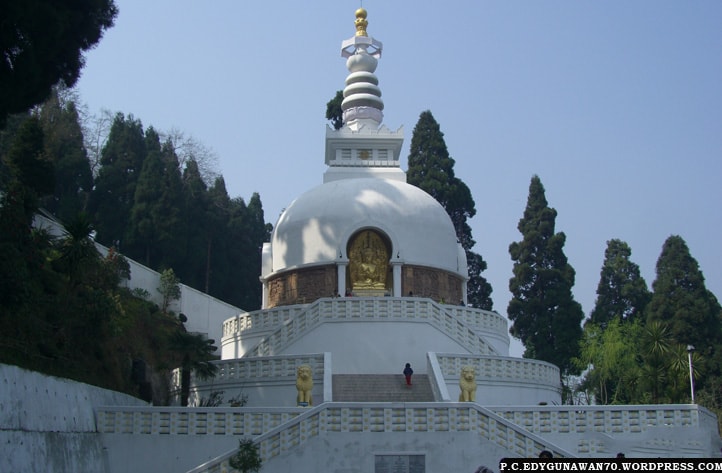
381	388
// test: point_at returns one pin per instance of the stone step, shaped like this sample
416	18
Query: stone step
381	388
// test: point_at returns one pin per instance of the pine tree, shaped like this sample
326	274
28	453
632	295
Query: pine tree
544	314
29	175
334	111
43	42
258	232
65	148
681	300
171	228
194	269
112	198
432	170
155	227
622	291
223	261
477	287
141	232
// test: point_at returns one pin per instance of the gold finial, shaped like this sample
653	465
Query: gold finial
361	22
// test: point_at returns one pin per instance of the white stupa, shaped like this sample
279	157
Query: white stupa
364	274
373	262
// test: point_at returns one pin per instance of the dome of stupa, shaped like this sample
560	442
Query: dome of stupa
365	231
316	227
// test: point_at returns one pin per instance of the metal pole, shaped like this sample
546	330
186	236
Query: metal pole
690	349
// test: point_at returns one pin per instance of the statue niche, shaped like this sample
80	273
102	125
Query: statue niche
368	263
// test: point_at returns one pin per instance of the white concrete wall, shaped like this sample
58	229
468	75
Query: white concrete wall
444	452
48	424
270	381
162	453
503	380
329	453
205	313
507	393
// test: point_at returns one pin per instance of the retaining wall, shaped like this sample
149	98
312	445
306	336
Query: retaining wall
48	424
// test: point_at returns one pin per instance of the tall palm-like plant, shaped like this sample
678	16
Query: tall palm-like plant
77	249
196	353
678	385
656	346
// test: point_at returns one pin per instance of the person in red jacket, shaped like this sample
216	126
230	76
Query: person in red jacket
408	372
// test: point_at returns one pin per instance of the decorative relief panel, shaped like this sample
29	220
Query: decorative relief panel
436	284
302	286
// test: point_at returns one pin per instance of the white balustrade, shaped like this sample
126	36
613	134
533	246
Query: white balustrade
390	417
497	368
517	429
462	324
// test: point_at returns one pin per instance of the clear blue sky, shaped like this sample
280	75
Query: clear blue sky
616	105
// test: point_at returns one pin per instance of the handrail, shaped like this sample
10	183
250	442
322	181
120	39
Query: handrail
236	372
499	368
266	319
377	309
516	428
392	417
547	419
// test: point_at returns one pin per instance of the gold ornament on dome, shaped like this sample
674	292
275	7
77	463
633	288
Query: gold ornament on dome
361	22
368	262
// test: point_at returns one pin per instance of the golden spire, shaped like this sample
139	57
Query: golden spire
361	22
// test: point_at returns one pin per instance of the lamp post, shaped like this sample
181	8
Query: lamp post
690	349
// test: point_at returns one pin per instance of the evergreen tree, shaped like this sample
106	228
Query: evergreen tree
171	227
477	287
42	42
65	148
235	235
194	269
334	111
681	300
155	224
112	198
432	170
257	232
221	259
145	213
544	314
29	175
7	137
28	163
622	291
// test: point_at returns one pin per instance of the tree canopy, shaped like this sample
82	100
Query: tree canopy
681	299
64	147
62	309
334	113
544	314
622	291
432	170
42	43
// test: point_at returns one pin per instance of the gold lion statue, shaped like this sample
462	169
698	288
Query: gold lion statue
304	385
467	383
